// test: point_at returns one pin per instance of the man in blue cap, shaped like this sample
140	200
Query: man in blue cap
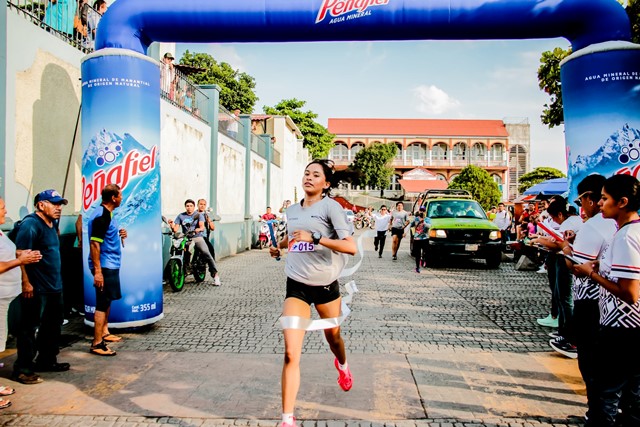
40	307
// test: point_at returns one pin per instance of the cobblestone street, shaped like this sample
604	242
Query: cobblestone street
452	346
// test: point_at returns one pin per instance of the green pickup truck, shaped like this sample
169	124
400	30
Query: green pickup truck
458	225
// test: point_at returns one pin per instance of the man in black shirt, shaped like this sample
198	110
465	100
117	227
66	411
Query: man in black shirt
40	306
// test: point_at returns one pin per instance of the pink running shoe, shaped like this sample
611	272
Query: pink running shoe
345	379
289	425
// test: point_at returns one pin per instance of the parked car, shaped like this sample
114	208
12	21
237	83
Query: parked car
458	225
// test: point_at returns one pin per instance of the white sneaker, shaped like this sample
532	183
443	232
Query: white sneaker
542	270
216	280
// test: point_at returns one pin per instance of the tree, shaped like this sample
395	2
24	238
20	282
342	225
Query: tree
538	175
236	88
549	70
316	137
479	183
372	165
549	81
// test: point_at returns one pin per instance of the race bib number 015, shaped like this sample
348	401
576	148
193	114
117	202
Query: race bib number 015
300	246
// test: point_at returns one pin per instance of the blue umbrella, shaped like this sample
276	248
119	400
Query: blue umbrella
550	187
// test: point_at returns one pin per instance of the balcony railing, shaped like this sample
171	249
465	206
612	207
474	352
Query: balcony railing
179	90
67	21
456	163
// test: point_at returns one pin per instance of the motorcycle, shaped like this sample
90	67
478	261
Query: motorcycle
363	221
178	266
264	238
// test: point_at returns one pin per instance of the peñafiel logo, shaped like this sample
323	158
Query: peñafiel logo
133	165
341	7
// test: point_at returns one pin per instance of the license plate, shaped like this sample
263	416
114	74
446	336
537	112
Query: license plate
471	248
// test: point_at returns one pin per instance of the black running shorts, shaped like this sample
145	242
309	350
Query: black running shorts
313	294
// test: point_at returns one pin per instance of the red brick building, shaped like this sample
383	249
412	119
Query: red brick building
432	149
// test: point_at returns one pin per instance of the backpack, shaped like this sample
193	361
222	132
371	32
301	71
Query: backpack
13	234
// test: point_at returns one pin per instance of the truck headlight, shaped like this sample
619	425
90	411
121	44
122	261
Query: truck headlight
494	235
438	234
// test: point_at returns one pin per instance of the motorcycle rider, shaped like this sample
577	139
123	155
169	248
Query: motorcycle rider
190	220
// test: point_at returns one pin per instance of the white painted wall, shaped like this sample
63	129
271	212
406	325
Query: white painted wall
230	179
184	158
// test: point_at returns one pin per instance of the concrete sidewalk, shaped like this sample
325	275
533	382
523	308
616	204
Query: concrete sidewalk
439	348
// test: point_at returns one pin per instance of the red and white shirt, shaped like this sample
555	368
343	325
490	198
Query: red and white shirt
620	260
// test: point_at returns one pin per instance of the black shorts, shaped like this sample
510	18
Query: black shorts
110	291
313	294
397	232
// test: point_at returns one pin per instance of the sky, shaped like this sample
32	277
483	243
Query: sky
420	79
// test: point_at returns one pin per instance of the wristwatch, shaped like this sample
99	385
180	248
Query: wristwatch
316	237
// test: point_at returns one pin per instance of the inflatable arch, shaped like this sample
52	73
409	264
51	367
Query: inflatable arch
121	119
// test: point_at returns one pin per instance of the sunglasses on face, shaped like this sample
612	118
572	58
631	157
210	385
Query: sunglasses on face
578	201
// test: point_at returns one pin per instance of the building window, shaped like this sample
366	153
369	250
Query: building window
395	183
497	179
478	152
517	168
416	151
441	177
497	153
399	152
460	151
355	148
339	153
439	151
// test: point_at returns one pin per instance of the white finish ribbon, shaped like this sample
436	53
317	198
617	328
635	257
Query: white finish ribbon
296	322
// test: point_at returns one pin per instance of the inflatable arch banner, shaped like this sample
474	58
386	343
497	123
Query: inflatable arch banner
121	93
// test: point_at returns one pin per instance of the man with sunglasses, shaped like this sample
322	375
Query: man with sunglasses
40	307
382	220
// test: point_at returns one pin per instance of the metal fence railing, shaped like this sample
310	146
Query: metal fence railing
179	90
72	22
230	125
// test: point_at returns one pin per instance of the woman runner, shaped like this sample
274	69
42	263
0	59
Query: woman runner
318	237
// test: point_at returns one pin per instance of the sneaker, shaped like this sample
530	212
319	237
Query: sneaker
379	255
542	270
375	248
345	379
417	270
65	322
216	280
548	321
564	347
554	334
293	424
395	258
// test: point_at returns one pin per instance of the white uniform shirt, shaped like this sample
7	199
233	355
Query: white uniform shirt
595	235
620	260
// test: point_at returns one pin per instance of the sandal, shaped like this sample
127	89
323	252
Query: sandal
4	403
111	338
102	350
6	391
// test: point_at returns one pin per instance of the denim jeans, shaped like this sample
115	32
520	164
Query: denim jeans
44	313
204	252
550	263
564	297
618	371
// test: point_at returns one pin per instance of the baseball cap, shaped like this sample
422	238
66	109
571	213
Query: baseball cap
51	196
169	55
